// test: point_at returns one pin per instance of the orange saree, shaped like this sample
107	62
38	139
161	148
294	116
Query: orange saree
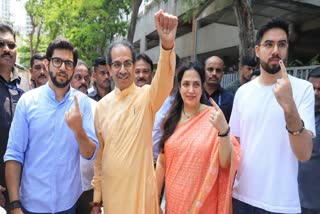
194	181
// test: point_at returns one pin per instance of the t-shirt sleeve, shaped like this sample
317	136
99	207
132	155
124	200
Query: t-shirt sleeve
306	109
234	122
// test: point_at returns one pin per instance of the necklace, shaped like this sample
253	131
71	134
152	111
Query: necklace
192	114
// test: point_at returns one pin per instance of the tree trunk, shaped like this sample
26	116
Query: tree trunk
134	16
33	25
244	17
38	38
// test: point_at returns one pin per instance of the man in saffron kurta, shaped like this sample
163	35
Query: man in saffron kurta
124	176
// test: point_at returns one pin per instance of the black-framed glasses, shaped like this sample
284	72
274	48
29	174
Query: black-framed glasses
117	65
11	45
57	62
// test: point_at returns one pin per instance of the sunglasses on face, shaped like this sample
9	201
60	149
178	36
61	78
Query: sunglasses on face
10	45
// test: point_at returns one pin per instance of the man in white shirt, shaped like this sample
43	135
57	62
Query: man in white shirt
273	121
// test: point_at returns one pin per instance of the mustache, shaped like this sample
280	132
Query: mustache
62	73
142	79
275	57
83	86
5	54
213	78
119	75
42	76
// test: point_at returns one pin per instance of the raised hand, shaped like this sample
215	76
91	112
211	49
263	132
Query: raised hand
166	26
73	117
283	89
217	118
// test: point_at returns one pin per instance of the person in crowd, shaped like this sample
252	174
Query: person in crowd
199	156
309	171
81	77
10	93
81	82
255	74
101	79
214	72
52	126
273	121
247	66
143	68
124	178
38	70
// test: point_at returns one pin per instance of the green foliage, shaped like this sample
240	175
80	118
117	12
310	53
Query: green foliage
313	61
89	25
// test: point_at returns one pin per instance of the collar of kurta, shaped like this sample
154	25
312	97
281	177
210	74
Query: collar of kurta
124	92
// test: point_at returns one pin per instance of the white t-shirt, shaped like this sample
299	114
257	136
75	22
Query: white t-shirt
267	176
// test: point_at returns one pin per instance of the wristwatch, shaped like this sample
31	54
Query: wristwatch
15	204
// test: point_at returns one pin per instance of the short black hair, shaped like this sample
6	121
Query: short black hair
314	73
145	58
99	61
256	72
124	43
62	43
81	62
37	56
248	60
6	28
273	23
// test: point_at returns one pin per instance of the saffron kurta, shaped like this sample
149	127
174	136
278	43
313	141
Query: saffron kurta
124	173
194	181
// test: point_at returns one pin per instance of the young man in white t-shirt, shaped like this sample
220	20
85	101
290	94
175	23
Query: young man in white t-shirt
273	121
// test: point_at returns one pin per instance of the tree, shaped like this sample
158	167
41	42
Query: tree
35	11
133	21
243	12
244	16
89	25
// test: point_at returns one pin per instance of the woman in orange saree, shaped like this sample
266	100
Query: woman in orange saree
199	156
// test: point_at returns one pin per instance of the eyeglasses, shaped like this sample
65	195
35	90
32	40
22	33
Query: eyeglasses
11	45
270	45
57	62
117	65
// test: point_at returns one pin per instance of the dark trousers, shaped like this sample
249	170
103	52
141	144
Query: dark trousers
309	211
83	206
240	207
69	211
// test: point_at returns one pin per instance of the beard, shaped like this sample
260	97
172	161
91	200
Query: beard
270	69
57	83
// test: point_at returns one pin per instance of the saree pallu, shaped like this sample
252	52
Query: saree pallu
194	181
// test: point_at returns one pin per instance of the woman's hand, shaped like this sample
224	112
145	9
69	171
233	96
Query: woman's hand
217	118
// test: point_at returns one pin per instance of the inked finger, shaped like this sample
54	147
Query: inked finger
76	103
283	69
214	104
